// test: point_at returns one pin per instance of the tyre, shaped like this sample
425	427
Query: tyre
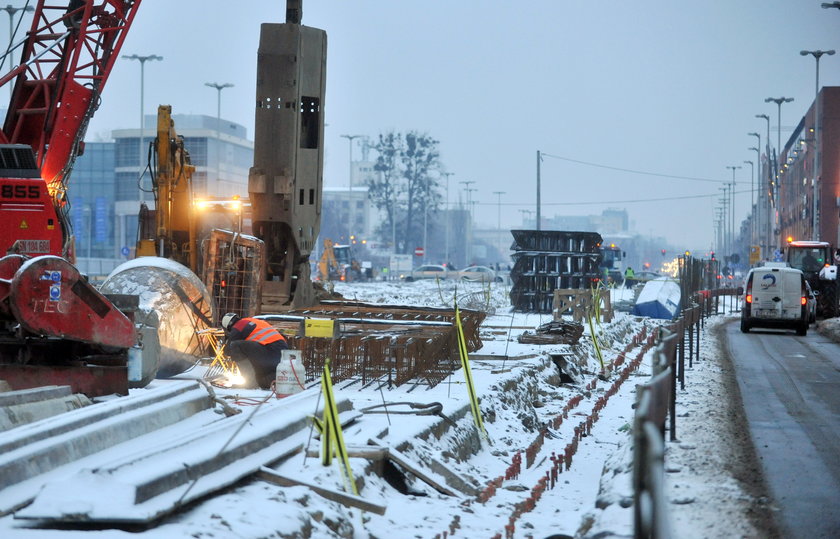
745	326
409	279
802	330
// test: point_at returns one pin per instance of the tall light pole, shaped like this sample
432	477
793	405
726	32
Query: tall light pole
11	11
752	201
350	192
219	88
764	174
815	214
758	196
142	60
447	218
778	101
499	217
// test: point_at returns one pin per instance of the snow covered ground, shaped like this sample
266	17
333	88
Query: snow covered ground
713	486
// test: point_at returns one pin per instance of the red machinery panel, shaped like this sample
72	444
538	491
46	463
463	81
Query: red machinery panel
50	297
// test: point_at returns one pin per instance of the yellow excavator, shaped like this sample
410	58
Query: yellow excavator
337	263
203	235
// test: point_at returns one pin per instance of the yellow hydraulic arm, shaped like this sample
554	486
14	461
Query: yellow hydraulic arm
175	223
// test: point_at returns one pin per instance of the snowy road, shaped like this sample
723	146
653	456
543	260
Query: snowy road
789	389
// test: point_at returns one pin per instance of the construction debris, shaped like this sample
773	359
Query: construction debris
554	332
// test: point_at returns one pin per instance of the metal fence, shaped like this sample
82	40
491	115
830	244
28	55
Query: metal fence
656	401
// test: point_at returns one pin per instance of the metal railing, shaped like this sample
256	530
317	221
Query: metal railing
656	402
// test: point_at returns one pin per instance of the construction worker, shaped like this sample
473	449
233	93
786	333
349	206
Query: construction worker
255	346
629	277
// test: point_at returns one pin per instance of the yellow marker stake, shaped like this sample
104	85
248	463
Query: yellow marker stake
465	365
332	437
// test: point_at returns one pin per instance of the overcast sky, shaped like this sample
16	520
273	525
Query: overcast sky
657	85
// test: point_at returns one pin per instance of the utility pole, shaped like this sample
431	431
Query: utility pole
539	160
467	190
499	218
350	200
732	226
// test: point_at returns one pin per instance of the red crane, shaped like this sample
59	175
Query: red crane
55	327
66	58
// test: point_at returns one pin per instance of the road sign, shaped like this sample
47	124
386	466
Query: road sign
755	254
419	251
124	251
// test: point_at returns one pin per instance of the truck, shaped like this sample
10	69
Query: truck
818	262
612	263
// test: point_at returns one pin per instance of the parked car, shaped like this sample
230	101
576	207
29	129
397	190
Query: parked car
430	271
775	296
480	273
646	276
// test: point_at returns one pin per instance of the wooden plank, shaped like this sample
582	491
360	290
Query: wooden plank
350	500
403	461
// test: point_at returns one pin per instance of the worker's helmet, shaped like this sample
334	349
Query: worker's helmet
229	320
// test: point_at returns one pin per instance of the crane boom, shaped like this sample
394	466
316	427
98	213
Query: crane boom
66	59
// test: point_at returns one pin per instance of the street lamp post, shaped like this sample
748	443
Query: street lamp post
350	192
764	174
142	60
815	214
11	11
758	196
219	88
447	218
499	217
778	101
752	200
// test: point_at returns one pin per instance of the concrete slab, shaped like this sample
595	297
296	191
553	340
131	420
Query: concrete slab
143	487
35	394
35	449
21	414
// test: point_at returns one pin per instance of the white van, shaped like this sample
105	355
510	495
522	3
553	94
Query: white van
775	297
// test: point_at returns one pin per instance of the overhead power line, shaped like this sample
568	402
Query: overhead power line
631	171
602	202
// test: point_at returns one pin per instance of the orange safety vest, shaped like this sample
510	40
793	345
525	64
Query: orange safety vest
264	333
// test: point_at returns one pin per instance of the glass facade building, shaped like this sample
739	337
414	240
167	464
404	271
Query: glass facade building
112	179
